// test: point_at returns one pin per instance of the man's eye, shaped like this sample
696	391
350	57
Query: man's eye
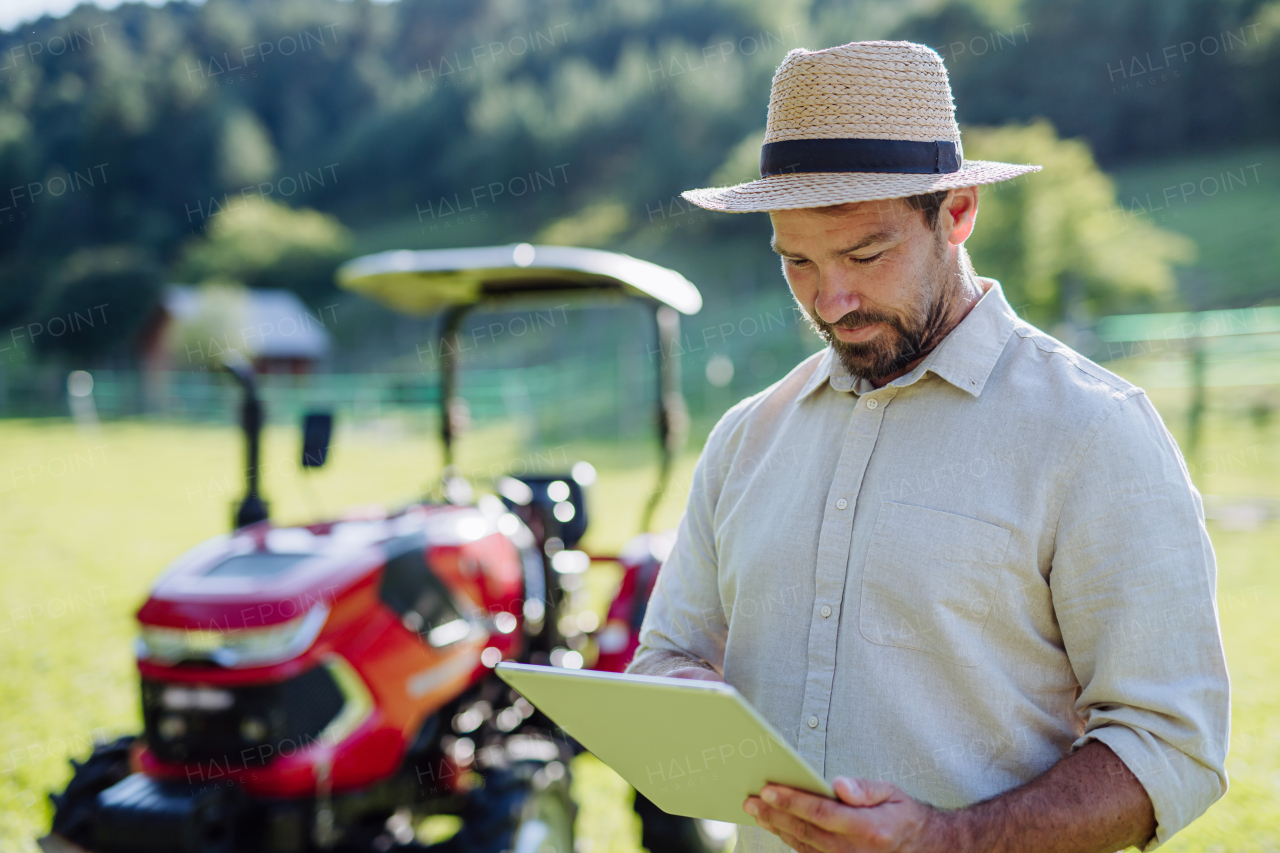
797	262
868	260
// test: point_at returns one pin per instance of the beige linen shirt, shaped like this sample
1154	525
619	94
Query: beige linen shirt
953	581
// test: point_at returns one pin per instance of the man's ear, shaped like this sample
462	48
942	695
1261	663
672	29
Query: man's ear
959	213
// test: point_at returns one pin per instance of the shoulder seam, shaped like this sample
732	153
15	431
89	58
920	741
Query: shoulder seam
1070	356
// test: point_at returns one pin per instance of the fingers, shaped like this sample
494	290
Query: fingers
826	813
864	792
869	814
800	834
797	845
695	673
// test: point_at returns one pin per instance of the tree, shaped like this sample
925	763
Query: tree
264	244
97	304
1058	240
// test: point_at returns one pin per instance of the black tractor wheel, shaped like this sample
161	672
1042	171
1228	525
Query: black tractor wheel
668	833
521	809
74	809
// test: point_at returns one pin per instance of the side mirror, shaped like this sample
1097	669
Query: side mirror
317	429
252	508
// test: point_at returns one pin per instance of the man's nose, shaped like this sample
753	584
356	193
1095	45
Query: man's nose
837	296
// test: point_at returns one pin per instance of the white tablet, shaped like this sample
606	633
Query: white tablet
694	748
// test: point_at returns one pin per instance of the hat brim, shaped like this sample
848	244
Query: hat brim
822	189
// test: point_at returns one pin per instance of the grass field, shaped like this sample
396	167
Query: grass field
1220	201
87	520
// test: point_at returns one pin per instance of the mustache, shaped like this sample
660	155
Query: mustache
861	317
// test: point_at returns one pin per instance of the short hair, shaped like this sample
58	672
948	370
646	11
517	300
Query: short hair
929	204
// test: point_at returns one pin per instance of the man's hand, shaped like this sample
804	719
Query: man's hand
695	673
673	665
1089	802
869	817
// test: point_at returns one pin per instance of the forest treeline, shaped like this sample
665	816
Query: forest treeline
263	141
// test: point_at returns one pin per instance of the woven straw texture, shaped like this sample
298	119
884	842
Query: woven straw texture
861	90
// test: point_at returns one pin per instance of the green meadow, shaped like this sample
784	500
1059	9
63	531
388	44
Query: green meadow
88	519
1220	201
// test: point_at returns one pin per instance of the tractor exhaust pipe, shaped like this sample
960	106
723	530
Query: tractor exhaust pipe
252	507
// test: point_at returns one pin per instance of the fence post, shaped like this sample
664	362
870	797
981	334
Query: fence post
1195	413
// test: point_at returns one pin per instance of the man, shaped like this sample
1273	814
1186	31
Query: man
961	567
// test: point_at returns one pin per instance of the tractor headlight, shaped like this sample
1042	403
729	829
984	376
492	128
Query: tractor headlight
242	647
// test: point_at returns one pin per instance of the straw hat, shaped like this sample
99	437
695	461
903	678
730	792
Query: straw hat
867	120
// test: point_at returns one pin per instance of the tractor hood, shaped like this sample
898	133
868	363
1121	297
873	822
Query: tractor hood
287	579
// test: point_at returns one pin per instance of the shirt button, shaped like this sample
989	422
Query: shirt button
813	722
871	404
842	503
825	611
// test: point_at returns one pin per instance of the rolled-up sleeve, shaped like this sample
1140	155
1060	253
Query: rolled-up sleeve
1134	589
685	613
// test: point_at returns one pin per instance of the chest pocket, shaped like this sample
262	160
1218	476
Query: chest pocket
930	580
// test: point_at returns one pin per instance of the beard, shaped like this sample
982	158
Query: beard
904	337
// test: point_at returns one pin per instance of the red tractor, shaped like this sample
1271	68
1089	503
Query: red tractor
322	687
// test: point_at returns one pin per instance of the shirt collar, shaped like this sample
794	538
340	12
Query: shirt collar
965	358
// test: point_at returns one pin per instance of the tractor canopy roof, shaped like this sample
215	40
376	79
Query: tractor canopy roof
430	280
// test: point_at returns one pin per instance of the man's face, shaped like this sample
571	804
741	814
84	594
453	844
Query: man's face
873	278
